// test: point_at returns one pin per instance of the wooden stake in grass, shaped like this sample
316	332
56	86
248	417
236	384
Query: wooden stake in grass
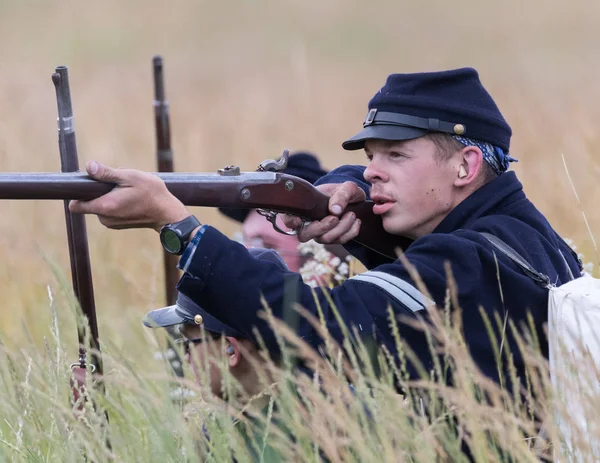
79	255
164	162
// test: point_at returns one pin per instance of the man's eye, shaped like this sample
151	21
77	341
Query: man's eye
395	155
369	157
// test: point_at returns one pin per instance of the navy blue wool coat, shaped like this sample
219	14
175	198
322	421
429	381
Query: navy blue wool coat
226	281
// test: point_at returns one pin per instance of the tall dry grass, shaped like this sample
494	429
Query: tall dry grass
350	410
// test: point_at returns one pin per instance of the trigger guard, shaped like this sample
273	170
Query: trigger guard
272	218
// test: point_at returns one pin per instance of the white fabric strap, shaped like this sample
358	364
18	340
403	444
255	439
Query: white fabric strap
397	288
566	265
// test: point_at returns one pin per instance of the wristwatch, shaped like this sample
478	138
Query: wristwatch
174	236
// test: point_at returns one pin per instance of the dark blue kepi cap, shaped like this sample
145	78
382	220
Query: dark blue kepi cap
410	106
186	311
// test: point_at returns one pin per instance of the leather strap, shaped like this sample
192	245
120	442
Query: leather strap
375	117
539	278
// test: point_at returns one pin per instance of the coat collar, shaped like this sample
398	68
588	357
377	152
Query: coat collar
492	198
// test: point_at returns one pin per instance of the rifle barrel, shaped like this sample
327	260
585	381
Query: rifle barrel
193	189
250	190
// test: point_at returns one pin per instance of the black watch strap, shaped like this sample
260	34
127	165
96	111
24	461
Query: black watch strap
174	237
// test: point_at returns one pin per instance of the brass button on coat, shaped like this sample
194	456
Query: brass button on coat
198	319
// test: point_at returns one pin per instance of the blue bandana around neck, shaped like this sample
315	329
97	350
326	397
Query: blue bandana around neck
493	155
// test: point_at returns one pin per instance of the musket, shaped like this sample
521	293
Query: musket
79	256
271	192
164	161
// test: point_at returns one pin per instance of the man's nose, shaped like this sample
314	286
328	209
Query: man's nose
375	172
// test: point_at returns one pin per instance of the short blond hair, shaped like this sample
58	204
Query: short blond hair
446	146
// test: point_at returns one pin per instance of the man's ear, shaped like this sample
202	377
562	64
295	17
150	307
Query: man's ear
469	166
232	349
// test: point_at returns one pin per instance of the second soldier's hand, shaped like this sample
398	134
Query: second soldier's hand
332	229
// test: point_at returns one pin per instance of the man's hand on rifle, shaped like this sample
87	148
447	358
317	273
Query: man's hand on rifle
332	229
140	199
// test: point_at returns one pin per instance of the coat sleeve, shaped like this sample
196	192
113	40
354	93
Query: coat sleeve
233	286
349	173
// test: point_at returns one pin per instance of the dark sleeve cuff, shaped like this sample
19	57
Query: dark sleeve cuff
190	250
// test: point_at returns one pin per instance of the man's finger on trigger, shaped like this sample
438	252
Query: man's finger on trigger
309	232
334	235
317	228
291	221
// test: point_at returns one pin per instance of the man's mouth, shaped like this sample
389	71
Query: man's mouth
382	204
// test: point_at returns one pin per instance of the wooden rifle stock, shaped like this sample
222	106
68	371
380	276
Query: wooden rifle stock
164	162
229	188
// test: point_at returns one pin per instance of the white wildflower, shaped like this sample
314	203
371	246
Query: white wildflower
343	269
322	255
310	247
321	269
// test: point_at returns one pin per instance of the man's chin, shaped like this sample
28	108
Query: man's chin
393	227
389	225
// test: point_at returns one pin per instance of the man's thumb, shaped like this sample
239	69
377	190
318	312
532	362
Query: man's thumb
101	172
346	193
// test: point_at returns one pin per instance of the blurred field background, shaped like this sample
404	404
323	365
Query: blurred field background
246	79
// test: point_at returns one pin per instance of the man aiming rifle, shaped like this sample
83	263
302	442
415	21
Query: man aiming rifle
437	149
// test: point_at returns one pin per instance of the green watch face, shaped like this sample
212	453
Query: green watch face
170	241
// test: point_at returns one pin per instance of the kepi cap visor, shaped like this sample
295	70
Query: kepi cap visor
164	317
382	132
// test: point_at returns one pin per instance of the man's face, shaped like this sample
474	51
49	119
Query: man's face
257	232
413	189
209	352
215	352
